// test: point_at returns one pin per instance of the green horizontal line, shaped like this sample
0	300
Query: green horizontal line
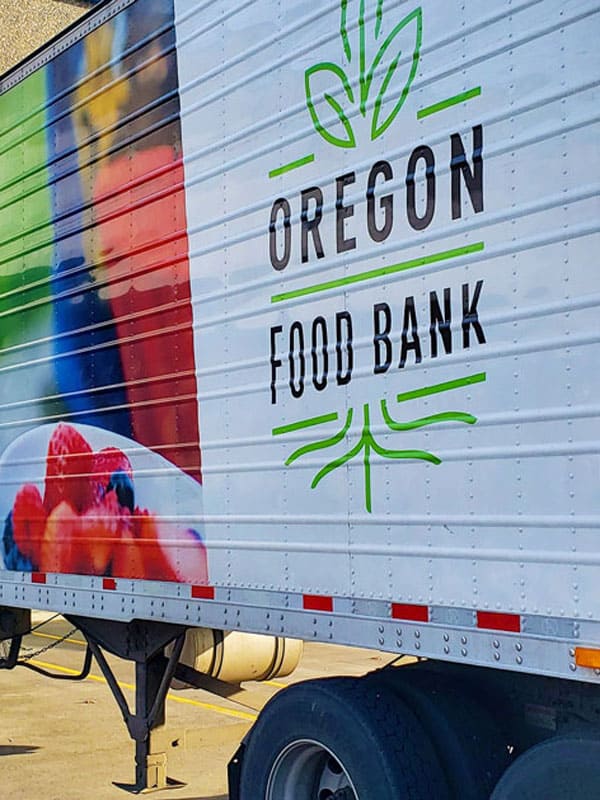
451	101
304	423
444	255
469	380
292	165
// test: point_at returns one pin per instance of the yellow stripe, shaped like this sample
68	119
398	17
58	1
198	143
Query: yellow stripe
219	709
228	712
59	638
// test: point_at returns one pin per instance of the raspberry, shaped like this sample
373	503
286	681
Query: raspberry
101	529
106	462
161	552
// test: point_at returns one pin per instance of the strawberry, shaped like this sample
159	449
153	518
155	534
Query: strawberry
61	544
29	521
69	465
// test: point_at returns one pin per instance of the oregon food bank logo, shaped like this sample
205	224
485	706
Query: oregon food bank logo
352	101
380	66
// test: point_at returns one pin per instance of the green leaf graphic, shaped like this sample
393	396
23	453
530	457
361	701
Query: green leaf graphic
344	31
389	53
320	101
362	35
355	26
362	25
379	18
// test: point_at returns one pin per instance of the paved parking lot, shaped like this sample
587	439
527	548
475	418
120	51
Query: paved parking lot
67	741
26	25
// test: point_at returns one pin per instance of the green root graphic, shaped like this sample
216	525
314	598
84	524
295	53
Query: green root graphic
367	444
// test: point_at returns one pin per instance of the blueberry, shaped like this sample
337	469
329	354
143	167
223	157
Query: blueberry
13	558
197	536
122	484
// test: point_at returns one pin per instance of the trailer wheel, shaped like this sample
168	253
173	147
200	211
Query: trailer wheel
339	739
562	768
470	745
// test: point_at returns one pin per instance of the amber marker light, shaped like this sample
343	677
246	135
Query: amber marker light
587	657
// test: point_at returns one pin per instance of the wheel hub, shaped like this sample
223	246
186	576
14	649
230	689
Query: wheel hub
308	770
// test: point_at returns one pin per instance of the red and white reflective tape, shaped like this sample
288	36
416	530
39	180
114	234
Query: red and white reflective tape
440	616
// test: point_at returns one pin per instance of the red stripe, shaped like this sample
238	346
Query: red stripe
317	602
38	577
410	612
203	592
496	621
109	583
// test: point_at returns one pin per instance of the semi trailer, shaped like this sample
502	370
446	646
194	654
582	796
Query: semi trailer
300	341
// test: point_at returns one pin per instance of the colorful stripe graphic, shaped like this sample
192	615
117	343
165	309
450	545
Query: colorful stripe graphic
97	371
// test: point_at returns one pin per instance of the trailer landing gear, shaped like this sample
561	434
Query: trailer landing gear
142	642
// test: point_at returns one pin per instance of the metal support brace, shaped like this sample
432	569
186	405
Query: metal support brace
8	659
153	675
14	623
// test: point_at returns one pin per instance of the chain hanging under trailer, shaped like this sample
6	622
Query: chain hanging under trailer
11	650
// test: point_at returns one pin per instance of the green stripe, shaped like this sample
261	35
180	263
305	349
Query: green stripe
451	101
26	232
444	255
304	423
469	380
300	162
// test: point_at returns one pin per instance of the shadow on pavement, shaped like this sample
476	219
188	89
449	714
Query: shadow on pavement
21	749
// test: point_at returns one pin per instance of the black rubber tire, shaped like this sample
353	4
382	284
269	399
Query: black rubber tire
561	768
368	729
470	746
